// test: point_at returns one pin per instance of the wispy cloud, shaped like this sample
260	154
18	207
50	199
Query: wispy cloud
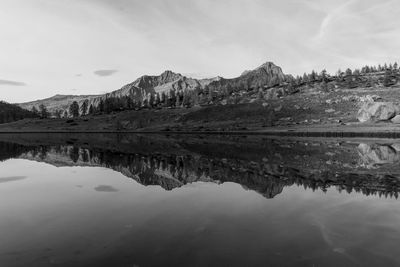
12	83
104	72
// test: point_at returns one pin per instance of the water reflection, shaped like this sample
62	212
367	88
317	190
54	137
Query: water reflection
131	200
266	166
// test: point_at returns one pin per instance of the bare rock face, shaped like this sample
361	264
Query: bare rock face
265	75
377	111
378	154
396	119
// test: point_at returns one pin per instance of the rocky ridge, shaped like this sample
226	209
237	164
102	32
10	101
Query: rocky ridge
265	75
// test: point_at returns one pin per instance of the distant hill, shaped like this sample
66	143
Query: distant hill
167	82
57	102
11	112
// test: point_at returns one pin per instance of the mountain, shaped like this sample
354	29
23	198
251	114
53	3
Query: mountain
267	74
141	89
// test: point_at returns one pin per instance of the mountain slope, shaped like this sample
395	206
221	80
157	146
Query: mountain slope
168	81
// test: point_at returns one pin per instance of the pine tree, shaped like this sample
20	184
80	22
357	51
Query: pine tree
101	106
35	111
157	100
151	100
305	77
91	110
324	76
74	109
84	107
43	111
163	98
172	98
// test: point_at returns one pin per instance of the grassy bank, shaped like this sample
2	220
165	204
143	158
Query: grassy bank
308	113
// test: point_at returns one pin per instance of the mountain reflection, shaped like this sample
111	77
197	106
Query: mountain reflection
266	166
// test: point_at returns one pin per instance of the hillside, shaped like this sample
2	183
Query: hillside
169	85
10	113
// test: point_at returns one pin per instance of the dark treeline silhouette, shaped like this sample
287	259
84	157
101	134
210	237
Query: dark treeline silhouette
10	113
171	99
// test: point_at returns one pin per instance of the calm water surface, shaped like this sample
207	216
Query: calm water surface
171	201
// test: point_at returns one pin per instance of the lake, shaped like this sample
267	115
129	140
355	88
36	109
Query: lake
171	200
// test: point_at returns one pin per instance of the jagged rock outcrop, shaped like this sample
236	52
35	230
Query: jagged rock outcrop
267	74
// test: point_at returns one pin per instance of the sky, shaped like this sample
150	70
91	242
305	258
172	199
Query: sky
50	47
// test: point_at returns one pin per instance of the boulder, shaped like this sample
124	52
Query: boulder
331	110
375	154
377	111
396	119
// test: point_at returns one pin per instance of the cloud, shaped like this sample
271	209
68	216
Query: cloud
12	83
105	188
104	72
11	179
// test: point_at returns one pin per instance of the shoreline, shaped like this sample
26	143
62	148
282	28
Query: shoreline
339	133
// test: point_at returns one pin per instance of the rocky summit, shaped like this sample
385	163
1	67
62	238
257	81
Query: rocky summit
268	74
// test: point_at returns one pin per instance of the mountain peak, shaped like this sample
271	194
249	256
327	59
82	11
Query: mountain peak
267	65
170	74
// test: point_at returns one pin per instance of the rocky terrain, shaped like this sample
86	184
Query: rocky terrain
264	99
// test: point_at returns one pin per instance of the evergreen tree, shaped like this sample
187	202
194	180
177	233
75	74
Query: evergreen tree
84	107
43	111
324	76
35	111
74	109
65	114
348	72
172	98
101	106
91	110
129	103
163	98
157	100
305	77
151	100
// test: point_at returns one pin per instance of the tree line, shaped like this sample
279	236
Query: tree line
188	98
10	113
